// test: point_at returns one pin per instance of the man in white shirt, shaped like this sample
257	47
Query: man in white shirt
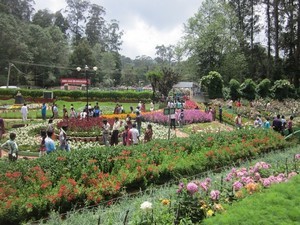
24	111
134	135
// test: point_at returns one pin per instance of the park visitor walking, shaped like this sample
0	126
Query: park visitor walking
148	133
43	111
24	112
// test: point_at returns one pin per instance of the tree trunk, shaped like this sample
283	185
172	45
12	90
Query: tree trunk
269	37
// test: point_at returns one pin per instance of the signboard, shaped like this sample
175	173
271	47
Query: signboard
169	111
74	81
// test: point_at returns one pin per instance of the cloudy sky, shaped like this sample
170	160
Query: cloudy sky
145	23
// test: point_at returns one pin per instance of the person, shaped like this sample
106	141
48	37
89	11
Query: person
267	124
12	147
173	120
283	121
65	112
151	106
256	123
50	128
125	136
229	104
55	111
128	121
277	124
42	145
134	135
105	132
115	132
2	128
43	111
49	143
181	118
238	121
220	114
131	109
96	110
63	138
138	121
73	113
290	125
143	107
24	111
148	134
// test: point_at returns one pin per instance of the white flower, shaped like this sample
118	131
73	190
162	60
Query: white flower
146	205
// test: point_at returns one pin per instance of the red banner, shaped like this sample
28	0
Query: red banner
74	81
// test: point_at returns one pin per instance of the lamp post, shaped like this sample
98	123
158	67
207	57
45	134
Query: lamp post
86	68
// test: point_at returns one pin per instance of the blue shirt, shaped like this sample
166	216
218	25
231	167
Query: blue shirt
50	145
44	107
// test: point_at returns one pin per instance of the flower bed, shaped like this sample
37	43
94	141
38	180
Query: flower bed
63	180
190	116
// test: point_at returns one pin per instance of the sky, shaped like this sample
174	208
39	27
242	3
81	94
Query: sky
145	23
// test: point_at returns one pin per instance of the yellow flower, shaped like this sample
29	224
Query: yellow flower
251	187
239	194
218	207
165	201
209	213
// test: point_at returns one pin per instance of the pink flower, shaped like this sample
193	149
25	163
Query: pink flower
192	188
266	182
180	187
297	156
237	185
292	174
215	195
204	186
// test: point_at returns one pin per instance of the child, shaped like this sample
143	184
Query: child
12	147
42	145
2	129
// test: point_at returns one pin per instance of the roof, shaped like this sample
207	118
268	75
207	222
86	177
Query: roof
184	85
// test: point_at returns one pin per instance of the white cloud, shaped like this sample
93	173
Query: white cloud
146	24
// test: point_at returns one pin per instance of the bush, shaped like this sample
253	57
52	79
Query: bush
282	89
234	87
213	83
248	89
263	88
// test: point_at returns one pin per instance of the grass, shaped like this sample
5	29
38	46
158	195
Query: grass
278	205
106	107
116	212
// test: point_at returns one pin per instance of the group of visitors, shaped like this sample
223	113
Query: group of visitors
131	132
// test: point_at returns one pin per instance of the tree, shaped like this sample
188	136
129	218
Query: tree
263	88
82	55
22	10
43	18
154	76
76	10
113	37
95	27
61	22
234	87
168	80
213	83
248	89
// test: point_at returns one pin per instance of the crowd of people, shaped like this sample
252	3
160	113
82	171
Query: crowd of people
127	132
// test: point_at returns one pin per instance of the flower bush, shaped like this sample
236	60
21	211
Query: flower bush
190	116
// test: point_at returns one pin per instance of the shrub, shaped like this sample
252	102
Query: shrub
263	88
234	87
248	89
282	89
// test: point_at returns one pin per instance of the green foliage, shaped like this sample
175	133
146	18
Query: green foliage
234	87
282	89
248	89
263	88
280	198
213	83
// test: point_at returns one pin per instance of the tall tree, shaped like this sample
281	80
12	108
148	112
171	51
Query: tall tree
61	22
113	36
21	9
95	27
43	18
76	16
